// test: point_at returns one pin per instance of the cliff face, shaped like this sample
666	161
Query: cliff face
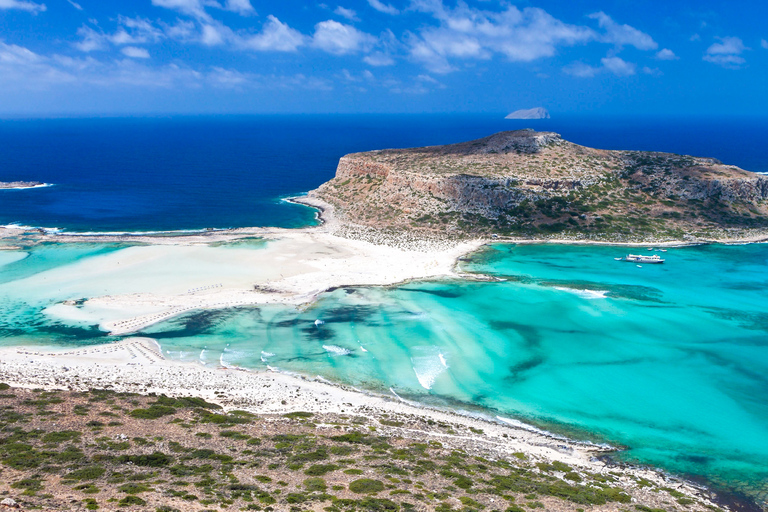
527	182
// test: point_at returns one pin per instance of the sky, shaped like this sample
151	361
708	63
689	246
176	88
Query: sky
601	57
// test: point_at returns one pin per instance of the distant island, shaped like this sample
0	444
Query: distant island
21	184
531	113
536	185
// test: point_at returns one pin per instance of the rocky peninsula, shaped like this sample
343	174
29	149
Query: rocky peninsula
537	185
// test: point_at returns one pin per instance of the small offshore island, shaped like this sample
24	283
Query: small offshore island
21	184
119	426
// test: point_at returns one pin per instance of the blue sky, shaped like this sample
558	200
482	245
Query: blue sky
62	57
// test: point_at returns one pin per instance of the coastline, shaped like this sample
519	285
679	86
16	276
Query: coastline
318	273
136	365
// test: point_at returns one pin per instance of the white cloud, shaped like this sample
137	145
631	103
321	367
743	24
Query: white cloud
196	8
182	30
623	35
339	39
346	13
581	70
212	35
382	7
242	7
274	36
191	7
75	5
652	71
21	5
467	33
612	64
618	66
135	52
25	71
727	52
130	31
764	43
136	30
13	54
666	54
91	40
379	59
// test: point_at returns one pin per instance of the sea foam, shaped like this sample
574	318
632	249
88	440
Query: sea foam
337	350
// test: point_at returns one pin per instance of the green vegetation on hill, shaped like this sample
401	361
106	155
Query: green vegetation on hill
56	453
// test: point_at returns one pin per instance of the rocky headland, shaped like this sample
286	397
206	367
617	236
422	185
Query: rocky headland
537	185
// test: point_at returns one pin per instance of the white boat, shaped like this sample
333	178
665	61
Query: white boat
640	258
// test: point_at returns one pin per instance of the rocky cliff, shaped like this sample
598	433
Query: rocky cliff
535	183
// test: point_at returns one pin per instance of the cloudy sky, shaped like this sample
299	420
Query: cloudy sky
81	57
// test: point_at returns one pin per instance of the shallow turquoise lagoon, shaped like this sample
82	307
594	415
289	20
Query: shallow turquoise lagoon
669	361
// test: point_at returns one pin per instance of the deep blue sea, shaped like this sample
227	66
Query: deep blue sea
150	174
670	362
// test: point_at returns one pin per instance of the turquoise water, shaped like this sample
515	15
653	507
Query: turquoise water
669	361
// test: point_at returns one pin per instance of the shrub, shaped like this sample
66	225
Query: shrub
134	488
131	500
86	473
366	486
154	460
378	505
61	436
153	412
4	386
315	484
185	402
298	415
320	469
353	437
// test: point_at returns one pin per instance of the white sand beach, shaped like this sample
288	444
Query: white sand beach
134	287
137	365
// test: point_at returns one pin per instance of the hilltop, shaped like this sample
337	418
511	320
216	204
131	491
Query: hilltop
536	184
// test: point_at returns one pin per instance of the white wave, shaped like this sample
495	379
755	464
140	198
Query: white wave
335	349
319	322
22	227
413	404
363	348
529	428
428	364
585	293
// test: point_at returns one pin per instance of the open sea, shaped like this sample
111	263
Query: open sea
669	362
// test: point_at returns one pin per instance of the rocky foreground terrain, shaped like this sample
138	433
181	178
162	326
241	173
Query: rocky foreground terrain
103	450
537	185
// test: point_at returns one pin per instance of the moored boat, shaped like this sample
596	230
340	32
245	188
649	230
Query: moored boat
640	258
